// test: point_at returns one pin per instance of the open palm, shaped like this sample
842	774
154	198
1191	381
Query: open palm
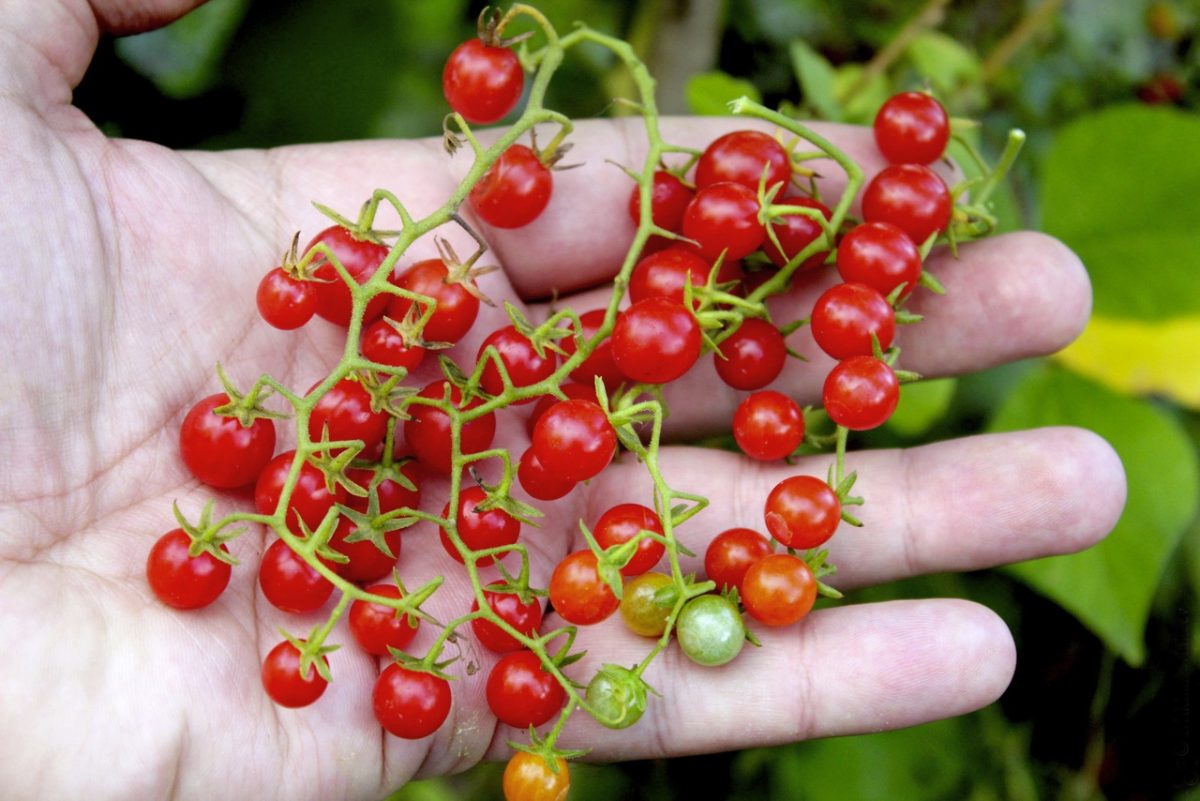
131	271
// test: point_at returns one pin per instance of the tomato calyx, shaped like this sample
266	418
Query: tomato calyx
373	526
312	653
545	748
245	408
205	536
490	27
498	497
465	273
361	229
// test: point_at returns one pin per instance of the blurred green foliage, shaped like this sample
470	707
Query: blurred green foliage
1107	91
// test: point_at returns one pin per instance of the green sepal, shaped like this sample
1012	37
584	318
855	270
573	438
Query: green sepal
423	665
666	596
311	650
907	376
509	505
245	408
932	284
205	538
540	746
907	318
569	659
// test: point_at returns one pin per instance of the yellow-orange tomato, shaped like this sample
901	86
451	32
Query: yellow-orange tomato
638	608
529	778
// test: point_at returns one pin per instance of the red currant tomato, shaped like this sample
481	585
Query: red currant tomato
219	450
361	258
391	495
741	157
478	530
456	308
282	680
376	627
754	355
410	704
573	391
723	217
802	512
427	430
795	232
528	777
367	561
778	589
286	302
913	198
574	439
383	344
622	523
524	617
600	364
860	393
656	341
289	582
768	425
310	500
845	317
482	83
730	555
664	274
578	593
520	359
345	413
881	256
669	198
912	128
540	483
180	579
515	191
521	693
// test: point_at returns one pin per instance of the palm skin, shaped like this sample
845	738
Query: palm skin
143	264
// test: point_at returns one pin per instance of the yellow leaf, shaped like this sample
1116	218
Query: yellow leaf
1139	357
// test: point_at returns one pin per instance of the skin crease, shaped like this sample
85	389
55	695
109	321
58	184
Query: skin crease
111	343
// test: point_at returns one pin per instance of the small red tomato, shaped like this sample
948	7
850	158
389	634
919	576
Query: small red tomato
521	361
180	579
427	430
845	317
768	425
574	439
540	483
524	617
310	500
913	198
382	343
219	450
795	232
482	83
622	523
778	589
723	218
515	191
290	583
669	198
573	391
656	341
282	680
912	128
391	495
410	704
802	512
286	302
860	393
881	256
742	157
367	561
456	308
377	627
480	531
664	274
730	555
521	693
361	258
752	356
345	413
578	593
600	363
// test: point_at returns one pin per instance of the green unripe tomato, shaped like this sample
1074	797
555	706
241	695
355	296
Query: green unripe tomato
710	630
616	697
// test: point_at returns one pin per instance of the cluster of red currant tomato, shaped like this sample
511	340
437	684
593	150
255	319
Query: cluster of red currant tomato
727	228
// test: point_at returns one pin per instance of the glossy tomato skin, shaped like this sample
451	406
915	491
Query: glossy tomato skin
527	777
723	217
913	198
795	232
540	483
802	512
912	128
391	494
740	157
219	450
779	590
427	431
640	611
621	523
310	500
663	274
730	555
578	593
572	390
574	439
376	627
521	693
361	258
282	681
289	583
382	343
482	83
181	580
480	531
600	364
768	425
881	256
285	302
656	341
861	393
668	199
524	366
524	617
515	191
410	704
754	355
710	630
845	317
456	308
367	562
345	412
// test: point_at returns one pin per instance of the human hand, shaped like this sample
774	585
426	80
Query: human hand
144	264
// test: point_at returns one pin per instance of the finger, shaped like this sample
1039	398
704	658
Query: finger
843	670
964	504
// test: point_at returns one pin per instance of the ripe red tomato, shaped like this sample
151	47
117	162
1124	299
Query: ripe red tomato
620	524
730	555
515	191
376	627
795	232
521	693
845	317
527	777
802	512
663	274
778	589
456	308
361	258
600	363
723	217
285	302
480	531
768	425
881	256
578	593
540	483
282	681
668	199
382	343
574	439
392	495
367	562
860	393
310	500
219	450
520	359
571	390
754	355
289	582
181	580
410	704
427	430
345	411
740	157
524	617
656	341
482	83
912	128
913	198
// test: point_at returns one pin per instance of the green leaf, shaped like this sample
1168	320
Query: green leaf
942	61
921	405
182	58
711	93
816	77
862	105
1119	188
1110	587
